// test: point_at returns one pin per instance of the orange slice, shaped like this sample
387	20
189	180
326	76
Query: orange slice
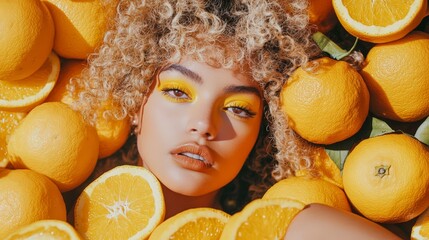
262	219
377	21
420	230
23	95
125	202
197	223
45	229
9	121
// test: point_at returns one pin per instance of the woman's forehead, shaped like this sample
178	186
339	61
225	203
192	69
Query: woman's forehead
191	64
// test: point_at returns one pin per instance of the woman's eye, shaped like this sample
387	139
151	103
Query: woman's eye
241	112
176	93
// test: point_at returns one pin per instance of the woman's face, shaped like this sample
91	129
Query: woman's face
198	126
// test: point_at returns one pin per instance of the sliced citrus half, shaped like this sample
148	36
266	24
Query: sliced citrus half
196	223
22	95
378	20
125	202
420	230
8	122
262	219
45	229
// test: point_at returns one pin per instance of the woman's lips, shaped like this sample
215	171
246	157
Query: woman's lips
193	156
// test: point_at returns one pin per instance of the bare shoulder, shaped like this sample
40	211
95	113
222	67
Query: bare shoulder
318	221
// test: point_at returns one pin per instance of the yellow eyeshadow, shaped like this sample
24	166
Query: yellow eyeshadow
177	84
243	100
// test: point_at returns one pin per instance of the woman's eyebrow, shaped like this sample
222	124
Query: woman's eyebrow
186	72
243	89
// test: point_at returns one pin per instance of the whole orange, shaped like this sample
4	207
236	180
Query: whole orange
56	141
397	77
26	197
309	190
386	178
26	37
70	68
112	133
322	14
324	167
325	103
79	25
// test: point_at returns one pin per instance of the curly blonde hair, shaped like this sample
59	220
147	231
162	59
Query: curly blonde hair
268	38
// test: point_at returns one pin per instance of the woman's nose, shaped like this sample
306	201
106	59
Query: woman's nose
203	122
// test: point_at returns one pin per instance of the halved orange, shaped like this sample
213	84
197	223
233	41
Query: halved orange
125	202
196	223
262	219
380	21
9	121
23	95
45	229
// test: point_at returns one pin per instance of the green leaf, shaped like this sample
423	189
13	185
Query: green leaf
339	151
379	127
422	133
338	156
330	47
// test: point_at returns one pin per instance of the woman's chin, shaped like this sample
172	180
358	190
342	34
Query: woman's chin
189	189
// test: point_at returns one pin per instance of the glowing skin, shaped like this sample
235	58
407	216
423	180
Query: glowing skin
198	126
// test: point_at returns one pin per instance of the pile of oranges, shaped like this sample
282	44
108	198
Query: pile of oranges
371	117
370	122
